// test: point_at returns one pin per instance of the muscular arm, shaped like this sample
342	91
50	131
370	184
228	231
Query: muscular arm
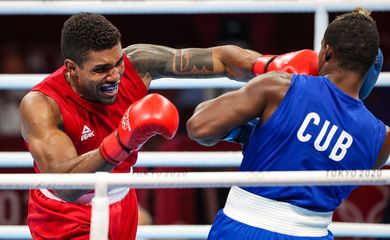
385	151
153	61
52	150
213	119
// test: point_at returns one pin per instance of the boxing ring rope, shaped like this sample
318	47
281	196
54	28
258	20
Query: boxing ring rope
200	231
195	179
184	6
191	159
100	181
147	159
26	81
150	159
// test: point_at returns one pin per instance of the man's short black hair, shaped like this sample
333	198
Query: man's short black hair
83	32
354	39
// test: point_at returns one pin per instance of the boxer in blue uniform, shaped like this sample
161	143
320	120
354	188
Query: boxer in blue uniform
305	123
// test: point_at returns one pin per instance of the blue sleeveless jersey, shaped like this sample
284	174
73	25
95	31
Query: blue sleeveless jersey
315	127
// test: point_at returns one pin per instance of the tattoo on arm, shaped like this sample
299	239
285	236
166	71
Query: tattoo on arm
193	61
159	61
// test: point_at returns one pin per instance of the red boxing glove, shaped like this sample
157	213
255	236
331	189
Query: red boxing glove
299	62
151	115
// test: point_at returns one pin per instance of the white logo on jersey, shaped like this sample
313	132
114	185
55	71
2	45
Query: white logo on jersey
87	133
339	149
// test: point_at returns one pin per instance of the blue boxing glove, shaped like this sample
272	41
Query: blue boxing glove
242	133
372	76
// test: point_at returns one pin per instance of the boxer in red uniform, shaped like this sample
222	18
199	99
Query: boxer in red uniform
93	114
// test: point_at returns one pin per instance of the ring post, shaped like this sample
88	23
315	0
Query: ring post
100	211
321	21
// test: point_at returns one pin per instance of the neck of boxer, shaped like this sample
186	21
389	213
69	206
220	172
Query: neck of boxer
74	85
68	78
346	80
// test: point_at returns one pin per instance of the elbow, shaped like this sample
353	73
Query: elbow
195	129
199	133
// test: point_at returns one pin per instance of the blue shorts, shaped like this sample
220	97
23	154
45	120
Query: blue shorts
225	228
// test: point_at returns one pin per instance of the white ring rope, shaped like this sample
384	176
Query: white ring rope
26	81
196	179
209	179
147	159
339	229
150	159
100	181
184	6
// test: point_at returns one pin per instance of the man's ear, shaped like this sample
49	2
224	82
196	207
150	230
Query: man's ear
328	52
70	66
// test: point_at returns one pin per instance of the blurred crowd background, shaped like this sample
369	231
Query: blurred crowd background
31	44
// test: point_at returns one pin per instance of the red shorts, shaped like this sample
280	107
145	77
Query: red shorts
52	219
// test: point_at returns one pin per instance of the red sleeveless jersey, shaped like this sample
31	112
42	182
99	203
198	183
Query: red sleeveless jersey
88	123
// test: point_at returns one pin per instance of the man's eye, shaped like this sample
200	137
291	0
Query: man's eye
100	70
119	63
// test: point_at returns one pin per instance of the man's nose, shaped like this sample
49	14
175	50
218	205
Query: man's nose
113	74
